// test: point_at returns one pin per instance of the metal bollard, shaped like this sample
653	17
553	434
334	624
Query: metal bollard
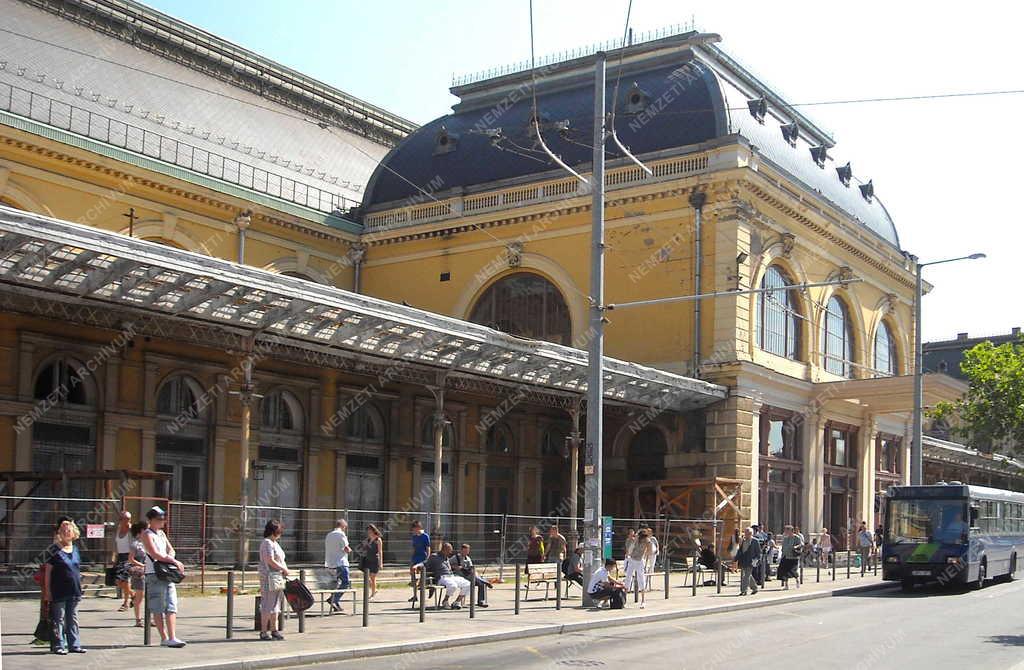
693	586
366	599
636	588
256	621
230	623
668	574
558	588
800	574
280	621
472	592
146	616
519	568
833	566
848	563
876	563
302	614
721	577
423	594
817	570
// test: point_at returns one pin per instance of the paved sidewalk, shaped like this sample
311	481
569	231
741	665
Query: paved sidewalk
114	643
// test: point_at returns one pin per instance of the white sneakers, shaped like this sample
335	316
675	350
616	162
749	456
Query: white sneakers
173	643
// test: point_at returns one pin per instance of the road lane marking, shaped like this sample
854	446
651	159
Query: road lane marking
534	650
686	630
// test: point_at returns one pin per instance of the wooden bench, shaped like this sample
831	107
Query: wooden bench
541	573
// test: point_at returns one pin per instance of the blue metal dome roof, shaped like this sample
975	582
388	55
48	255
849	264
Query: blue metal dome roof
671	100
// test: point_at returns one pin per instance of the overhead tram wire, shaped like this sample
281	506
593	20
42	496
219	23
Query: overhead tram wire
817	103
610	130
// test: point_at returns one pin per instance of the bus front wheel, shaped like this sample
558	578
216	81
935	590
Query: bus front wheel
982	570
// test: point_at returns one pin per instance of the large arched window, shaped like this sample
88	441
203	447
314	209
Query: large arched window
527	305
62	382
365	424
281	413
778	320
885	351
499	439
837	339
427	435
182	437
646	459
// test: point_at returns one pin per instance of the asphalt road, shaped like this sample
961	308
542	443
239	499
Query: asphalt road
930	628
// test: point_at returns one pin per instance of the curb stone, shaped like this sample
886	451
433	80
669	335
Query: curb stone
336	655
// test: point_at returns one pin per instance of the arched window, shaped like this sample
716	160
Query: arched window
646	459
61	382
526	305
554	441
837	340
281	413
499	439
182	437
427	434
365	424
778	320
177	397
885	351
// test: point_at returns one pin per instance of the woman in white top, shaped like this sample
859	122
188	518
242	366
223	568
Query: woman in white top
272	571
825	545
123	547
162	597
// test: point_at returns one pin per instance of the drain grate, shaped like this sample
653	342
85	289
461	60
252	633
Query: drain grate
581	663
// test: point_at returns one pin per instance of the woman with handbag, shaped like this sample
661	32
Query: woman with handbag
62	589
373	549
163	571
137	569
272	572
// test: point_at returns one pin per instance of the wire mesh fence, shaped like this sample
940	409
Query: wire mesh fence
27	527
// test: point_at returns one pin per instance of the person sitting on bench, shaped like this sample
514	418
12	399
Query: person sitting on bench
462	564
574	566
605	587
441	570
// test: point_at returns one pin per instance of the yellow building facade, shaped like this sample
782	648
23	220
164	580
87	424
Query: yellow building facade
463	218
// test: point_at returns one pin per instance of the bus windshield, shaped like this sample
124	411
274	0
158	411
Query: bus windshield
927	521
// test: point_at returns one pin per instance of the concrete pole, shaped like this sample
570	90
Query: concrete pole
592	554
916	452
246	398
439	423
697	200
574	477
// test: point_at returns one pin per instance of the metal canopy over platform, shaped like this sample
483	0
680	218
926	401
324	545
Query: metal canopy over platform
101	278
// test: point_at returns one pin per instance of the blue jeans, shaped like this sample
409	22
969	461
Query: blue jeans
64	622
343	583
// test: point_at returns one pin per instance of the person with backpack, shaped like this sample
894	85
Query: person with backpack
62	589
535	549
605	587
272	571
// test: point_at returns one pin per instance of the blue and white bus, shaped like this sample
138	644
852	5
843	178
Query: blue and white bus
951	533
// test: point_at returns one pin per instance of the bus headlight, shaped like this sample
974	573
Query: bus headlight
953	560
892	559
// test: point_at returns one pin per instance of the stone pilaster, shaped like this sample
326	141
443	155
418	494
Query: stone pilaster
812	453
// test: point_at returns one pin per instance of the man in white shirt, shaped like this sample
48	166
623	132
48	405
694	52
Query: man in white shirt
336	551
603	586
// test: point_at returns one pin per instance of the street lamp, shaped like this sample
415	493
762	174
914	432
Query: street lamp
916	448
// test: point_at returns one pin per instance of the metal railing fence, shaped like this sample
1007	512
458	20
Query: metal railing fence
30	105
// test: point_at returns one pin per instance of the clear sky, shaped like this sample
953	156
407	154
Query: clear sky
940	166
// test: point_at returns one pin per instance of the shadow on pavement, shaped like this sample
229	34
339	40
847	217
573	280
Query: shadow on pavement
1008	640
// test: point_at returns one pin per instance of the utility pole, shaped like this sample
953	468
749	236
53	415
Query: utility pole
592	550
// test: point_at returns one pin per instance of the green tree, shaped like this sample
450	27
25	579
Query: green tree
991	413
